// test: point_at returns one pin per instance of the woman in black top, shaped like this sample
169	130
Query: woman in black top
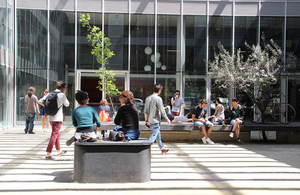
127	117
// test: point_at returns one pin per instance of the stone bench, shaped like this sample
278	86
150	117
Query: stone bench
112	161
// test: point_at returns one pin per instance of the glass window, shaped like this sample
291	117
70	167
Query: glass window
62	41
85	60
220	30
116	28
2	96
272	28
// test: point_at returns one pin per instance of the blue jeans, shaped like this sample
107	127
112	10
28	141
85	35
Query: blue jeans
130	134
29	122
155	135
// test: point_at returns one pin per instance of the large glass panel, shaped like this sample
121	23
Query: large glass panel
272	28
116	28
168	56
3	24
292	45
246	30
10	95
62	39
2	96
220	30
195	55
141	66
32	39
85	60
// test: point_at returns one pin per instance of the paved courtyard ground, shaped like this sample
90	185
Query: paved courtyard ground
189	168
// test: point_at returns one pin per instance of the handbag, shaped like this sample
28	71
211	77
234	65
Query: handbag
104	116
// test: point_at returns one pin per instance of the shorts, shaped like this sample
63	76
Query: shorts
199	124
42	111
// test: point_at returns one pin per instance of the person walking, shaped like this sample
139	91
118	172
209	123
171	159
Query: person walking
57	119
43	115
153	109
200	118
31	108
177	103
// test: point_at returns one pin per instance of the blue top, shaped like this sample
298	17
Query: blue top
85	116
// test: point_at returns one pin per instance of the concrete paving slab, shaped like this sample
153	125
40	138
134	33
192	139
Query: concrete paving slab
189	168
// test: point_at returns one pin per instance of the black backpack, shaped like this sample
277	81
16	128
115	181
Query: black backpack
51	107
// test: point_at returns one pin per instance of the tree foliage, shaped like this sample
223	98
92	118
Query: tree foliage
254	75
100	49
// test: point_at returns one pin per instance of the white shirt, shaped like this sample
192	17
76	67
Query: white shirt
61	100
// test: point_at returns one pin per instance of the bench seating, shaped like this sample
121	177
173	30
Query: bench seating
184	126
112	161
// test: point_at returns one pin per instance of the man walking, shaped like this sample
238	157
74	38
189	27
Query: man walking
57	119
177	103
153	109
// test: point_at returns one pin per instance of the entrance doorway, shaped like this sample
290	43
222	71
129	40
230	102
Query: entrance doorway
87	80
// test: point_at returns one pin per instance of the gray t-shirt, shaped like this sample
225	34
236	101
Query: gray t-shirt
154	107
30	104
177	105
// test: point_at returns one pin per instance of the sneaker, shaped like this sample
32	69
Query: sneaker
204	140
49	158
239	140
231	134
70	141
62	153
164	151
31	132
209	141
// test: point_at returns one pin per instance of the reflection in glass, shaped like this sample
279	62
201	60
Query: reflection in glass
142	44
195	40
85	60
272	28
116	28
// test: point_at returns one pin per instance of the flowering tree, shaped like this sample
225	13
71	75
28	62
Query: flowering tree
253	75
100	49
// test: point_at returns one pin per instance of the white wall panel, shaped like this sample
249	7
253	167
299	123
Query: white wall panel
194	8
142	6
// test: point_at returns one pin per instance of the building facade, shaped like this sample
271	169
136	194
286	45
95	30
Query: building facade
154	41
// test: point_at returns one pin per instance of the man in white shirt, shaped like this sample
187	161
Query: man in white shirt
57	119
177	103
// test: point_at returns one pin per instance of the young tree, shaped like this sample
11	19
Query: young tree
254	75
100	49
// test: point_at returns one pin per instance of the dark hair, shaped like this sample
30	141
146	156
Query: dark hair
80	96
61	84
128	95
157	87
235	99
30	91
219	100
189	115
177	91
203	101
